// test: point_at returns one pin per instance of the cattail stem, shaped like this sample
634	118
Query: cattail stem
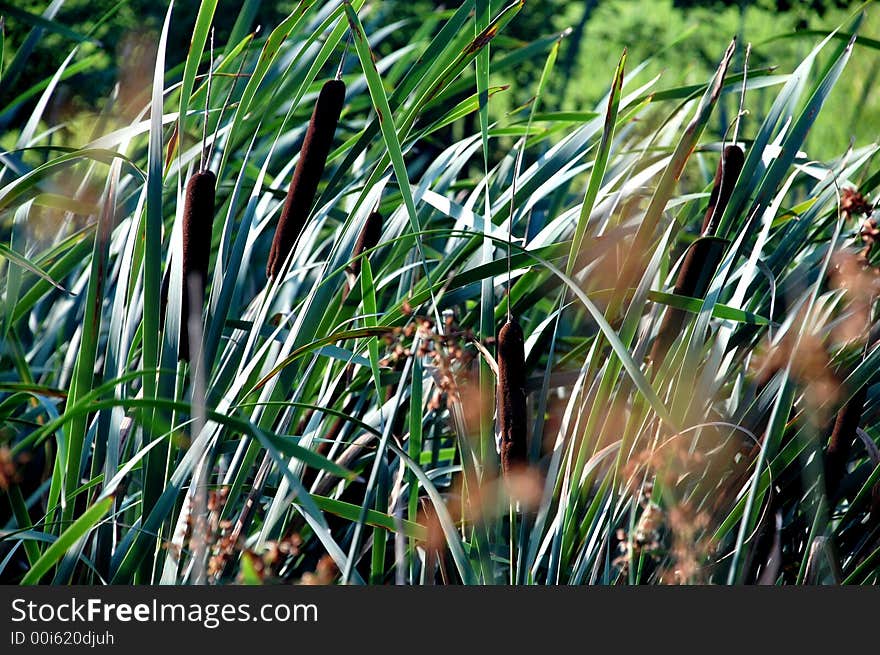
704	255
342	58
307	174
203	156
512	410
198	219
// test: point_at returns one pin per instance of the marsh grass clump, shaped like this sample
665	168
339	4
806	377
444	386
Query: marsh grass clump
404	436
307	174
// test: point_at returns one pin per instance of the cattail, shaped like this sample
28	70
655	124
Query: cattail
704	255
163	294
323	446
308	172
729	168
369	238
697	269
512	414
198	219
841	441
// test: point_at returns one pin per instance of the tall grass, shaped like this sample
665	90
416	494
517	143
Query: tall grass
340	423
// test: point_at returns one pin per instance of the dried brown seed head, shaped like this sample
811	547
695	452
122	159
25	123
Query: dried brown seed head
726	175
198	222
854	203
307	174
512	410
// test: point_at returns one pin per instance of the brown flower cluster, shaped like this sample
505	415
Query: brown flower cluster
647	534
810	368
646	539
267	565
324	574
10	474
853	203
861	284
224	544
676	535
690	545
447	354
218	533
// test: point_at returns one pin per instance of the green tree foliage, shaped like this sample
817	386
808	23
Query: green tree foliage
817	6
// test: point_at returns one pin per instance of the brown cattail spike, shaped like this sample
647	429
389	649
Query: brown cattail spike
307	174
198	219
842	437
369	238
699	265
163	293
704	255
729	168
512	412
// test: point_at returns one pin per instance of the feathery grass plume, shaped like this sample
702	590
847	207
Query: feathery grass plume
369	237
512	412
704	255
198	219
307	174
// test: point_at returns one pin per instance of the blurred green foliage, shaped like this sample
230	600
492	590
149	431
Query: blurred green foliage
681	40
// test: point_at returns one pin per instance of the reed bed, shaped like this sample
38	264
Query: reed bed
349	424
